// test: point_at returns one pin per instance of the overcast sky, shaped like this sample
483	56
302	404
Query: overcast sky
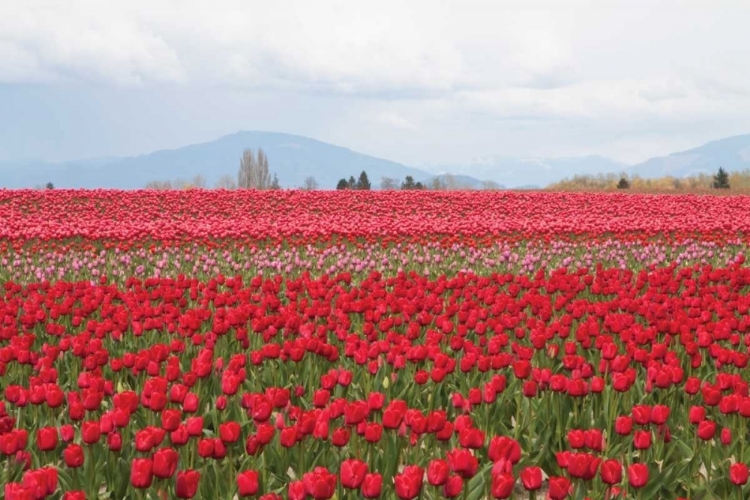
420	82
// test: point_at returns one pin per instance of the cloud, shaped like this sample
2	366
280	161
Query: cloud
389	47
511	75
396	120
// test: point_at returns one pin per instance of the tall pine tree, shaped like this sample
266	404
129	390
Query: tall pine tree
721	179
363	183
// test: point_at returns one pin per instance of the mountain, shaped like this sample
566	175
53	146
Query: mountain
525	172
291	157
732	153
459	181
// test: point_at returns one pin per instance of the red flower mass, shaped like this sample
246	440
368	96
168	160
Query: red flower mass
386	344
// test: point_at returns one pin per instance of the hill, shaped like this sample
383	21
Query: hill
732	153
291	157
518	172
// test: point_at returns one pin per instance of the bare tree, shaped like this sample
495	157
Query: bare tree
159	185
226	182
198	182
436	184
310	184
254	172
389	183
490	185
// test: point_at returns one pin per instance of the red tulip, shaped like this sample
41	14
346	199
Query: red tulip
583	465
697	414
611	471
319	484
453	487
437	472
623	425
642	440
170	419
90	432
576	438
659	414
372	485
706	430
247	483
73	495
141	473
559	488
73	456
531	478
296	491
229	432
738	473
165	463
642	414
502	447
187	483
502	485
638	475
46	438
352	473
114	441
462	462
408	483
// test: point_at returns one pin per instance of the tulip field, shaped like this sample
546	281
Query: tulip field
354	344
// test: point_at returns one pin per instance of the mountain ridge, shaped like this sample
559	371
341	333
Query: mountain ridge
294	157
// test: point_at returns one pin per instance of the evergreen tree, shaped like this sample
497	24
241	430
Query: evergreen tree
721	179
50	185
623	184
419	186
343	184
363	183
408	183
352	182
275	182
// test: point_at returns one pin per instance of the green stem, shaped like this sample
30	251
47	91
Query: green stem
92	473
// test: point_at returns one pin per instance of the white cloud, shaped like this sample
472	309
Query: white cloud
627	68
396	120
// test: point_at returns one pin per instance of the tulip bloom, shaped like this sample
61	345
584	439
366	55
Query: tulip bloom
738	473
638	475
352	473
502	485
453	487
408	483
247	483
141	473
46	438
165	463
73	456
187	483
531	478
372	485
437	472
611	472
623	425
90	432
559	488
229	432
642	440
73	495
706	430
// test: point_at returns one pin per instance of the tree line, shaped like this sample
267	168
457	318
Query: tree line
722	180
254	173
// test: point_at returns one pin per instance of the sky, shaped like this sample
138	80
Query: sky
419	82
